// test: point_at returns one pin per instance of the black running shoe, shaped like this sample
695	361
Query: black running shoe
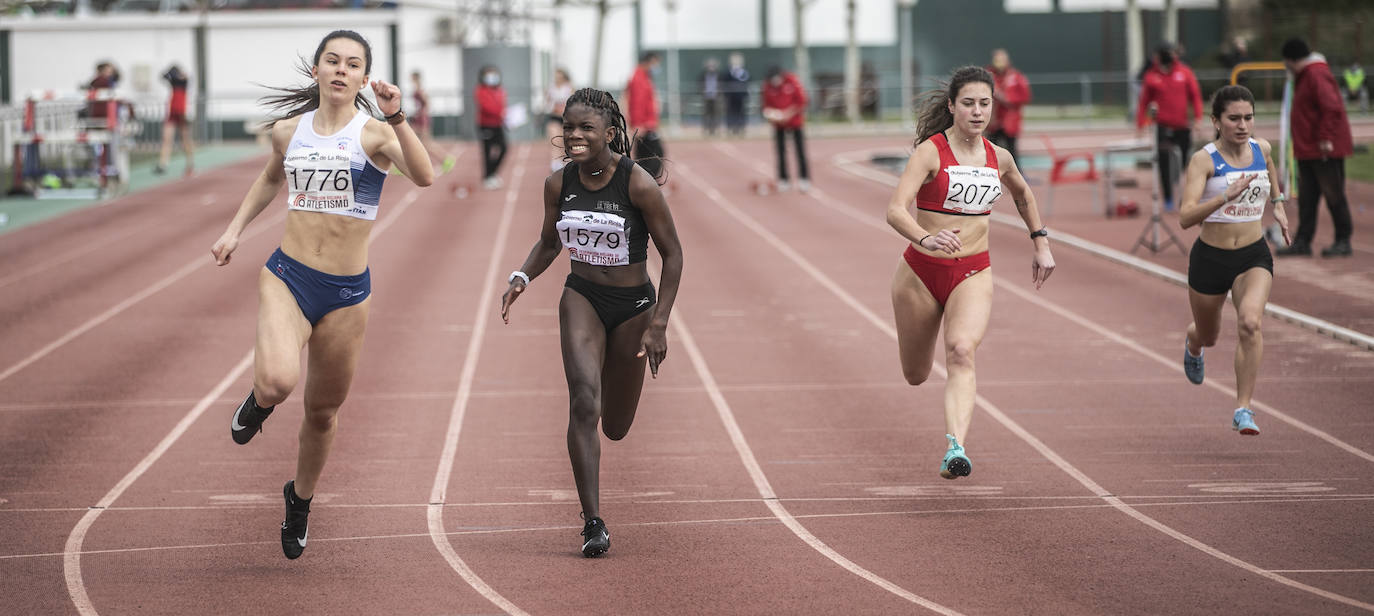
294	530
248	420
598	539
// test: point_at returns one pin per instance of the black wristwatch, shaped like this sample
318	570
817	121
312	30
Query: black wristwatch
1043	232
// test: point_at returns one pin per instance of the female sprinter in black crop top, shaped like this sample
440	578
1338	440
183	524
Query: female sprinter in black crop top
602	208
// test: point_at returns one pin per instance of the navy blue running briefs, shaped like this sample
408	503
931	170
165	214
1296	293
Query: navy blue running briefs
316	292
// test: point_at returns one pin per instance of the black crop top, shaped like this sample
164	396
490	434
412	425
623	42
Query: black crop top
602	227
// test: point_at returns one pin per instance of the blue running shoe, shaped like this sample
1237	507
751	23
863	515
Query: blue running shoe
1244	422
956	463
1192	366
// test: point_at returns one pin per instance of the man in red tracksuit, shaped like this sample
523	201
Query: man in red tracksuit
1321	143
1169	87
491	119
641	103
784	105
1012	92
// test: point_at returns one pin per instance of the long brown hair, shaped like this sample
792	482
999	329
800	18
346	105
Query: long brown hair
296	101
935	116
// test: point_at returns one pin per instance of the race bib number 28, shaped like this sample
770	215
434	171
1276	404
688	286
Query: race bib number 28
972	190
1249	205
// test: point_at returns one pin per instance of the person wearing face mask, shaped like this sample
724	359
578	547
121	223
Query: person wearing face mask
642	104
491	128
1167	90
1011	94
954	176
736	90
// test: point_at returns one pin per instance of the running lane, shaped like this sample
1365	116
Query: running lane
1111	412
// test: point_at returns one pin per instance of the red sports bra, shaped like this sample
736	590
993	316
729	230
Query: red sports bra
960	189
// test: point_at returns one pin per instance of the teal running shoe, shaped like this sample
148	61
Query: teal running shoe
1244	422
956	463
1192	366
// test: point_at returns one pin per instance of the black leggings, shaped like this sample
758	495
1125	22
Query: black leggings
493	149
1318	179
1171	161
780	140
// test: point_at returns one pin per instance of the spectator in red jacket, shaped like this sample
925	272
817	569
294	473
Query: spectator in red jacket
784	106
642	105
1011	93
1321	143
1166	92
491	119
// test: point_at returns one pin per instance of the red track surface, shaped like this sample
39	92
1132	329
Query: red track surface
1103	483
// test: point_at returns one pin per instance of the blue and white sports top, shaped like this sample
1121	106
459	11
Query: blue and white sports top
1249	206
331	174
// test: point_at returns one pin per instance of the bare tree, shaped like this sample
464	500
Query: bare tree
799	52
851	66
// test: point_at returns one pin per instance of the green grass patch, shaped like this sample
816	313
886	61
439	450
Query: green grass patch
1361	165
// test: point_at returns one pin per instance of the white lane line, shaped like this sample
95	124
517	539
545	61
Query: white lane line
71	555
1172	364
1322	570
849	163
746	455
802	262
194	264
485	305
736	520
71	559
86	248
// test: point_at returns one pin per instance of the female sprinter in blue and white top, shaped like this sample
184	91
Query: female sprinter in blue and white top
955	176
332	157
1227	184
603	208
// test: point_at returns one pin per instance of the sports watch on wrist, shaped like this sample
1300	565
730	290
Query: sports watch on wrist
1043	232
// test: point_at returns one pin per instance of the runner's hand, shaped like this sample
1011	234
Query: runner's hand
655	346
516	288
1042	265
224	247
1237	187
946	240
1281	217
388	97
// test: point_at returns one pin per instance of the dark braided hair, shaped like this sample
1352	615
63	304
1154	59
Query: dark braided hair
297	101
935	116
604	104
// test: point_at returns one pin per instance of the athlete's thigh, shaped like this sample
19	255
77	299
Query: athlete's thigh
335	346
968	310
282	332
917	316
1250	291
1206	312
622	377
583	339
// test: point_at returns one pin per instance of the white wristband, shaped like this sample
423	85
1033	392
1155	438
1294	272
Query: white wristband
521	275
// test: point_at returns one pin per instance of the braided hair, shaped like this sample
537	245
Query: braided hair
604	104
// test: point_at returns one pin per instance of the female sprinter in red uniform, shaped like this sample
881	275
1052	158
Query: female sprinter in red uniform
332	157
955	176
602	207
1225	188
